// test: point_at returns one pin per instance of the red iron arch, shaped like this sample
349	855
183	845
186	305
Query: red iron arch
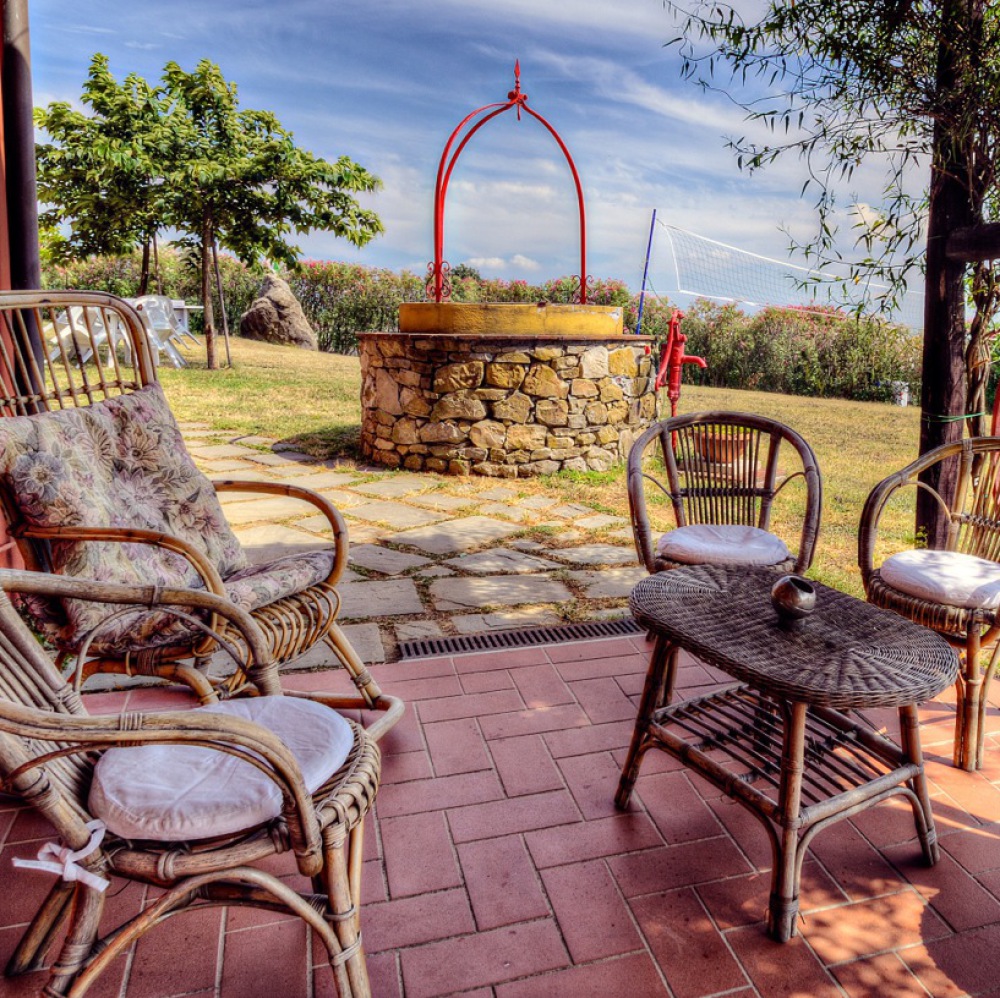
438	284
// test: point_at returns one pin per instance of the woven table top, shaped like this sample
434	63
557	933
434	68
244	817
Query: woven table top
845	654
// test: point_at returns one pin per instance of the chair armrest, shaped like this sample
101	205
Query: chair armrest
336	521
638	513
120	535
877	501
262	670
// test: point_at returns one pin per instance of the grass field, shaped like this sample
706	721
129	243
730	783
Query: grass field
312	400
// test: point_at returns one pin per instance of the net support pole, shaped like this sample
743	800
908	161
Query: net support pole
645	275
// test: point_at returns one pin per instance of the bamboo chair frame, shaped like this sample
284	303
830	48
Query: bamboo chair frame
721	468
974	528
35	379
48	748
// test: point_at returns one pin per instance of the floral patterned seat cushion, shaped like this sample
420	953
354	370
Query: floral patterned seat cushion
122	463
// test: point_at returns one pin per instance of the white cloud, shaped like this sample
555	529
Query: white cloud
488	263
523	262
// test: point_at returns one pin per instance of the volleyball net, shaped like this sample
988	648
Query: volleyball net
706	268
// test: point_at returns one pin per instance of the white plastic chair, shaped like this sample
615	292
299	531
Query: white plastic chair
157	313
78	333
182	311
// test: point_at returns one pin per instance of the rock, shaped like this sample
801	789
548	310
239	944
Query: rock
387	393
458	407
583	388
276	317
545	383
505	375
552	412
488	434
597	413
622	361
516	408
437	433
405	431
594	363
527	437
454	377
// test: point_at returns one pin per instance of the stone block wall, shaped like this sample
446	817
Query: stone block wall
503	406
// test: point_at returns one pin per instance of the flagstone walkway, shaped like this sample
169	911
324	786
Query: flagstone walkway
431	556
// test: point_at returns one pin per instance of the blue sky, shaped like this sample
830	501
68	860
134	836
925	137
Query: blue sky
386	81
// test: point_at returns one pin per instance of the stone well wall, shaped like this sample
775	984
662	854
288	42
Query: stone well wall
503	405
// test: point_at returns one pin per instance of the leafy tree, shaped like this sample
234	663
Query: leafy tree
465	270
901	82
99	172
184	156
238	178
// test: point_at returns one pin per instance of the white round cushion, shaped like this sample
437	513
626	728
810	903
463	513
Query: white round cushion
722	544
176	793
948	577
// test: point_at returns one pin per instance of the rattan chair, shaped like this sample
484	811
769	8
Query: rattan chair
95	481
719	474
64	763
954	590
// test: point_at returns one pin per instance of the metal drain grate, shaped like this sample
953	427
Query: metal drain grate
525	637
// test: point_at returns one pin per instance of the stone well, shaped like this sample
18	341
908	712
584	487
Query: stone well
504	390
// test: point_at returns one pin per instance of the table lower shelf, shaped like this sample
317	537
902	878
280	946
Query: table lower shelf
735	737
796	768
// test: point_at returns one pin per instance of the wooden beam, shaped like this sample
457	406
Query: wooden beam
976	242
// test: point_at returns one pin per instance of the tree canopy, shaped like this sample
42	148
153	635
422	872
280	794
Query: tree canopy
912	85
183	156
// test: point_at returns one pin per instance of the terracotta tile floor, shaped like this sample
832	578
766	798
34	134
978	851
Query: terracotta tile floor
498	866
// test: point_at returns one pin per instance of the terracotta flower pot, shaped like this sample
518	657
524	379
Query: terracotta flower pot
720	449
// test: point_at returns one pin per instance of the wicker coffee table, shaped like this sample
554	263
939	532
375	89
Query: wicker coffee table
778	741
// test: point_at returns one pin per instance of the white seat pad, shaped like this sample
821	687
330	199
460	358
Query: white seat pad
947	577
180	792
722	544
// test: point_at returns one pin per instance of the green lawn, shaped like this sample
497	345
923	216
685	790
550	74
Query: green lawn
312	400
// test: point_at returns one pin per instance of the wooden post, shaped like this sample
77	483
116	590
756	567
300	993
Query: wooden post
942	395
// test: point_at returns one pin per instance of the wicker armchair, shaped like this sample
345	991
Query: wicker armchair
260	789
95	481
956	590
720	473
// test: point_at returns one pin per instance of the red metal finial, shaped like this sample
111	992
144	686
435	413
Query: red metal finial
515	96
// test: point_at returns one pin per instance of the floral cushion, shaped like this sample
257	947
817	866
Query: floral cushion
121	463
260	585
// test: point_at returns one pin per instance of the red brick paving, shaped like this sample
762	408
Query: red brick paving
498	867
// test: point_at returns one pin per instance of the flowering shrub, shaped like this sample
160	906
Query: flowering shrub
790	350
798	352
341	300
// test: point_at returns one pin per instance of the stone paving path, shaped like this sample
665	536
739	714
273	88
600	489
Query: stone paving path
431	556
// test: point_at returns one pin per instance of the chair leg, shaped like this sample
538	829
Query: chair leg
30	952
87	907
970	705
342	890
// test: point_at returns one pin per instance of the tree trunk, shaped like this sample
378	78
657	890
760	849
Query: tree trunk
943	388
206	291
144	272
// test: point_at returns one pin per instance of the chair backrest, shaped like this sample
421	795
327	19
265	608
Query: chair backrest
36	376
158	309
110	455
721	468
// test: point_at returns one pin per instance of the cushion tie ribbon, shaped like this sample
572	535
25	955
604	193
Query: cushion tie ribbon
56	858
